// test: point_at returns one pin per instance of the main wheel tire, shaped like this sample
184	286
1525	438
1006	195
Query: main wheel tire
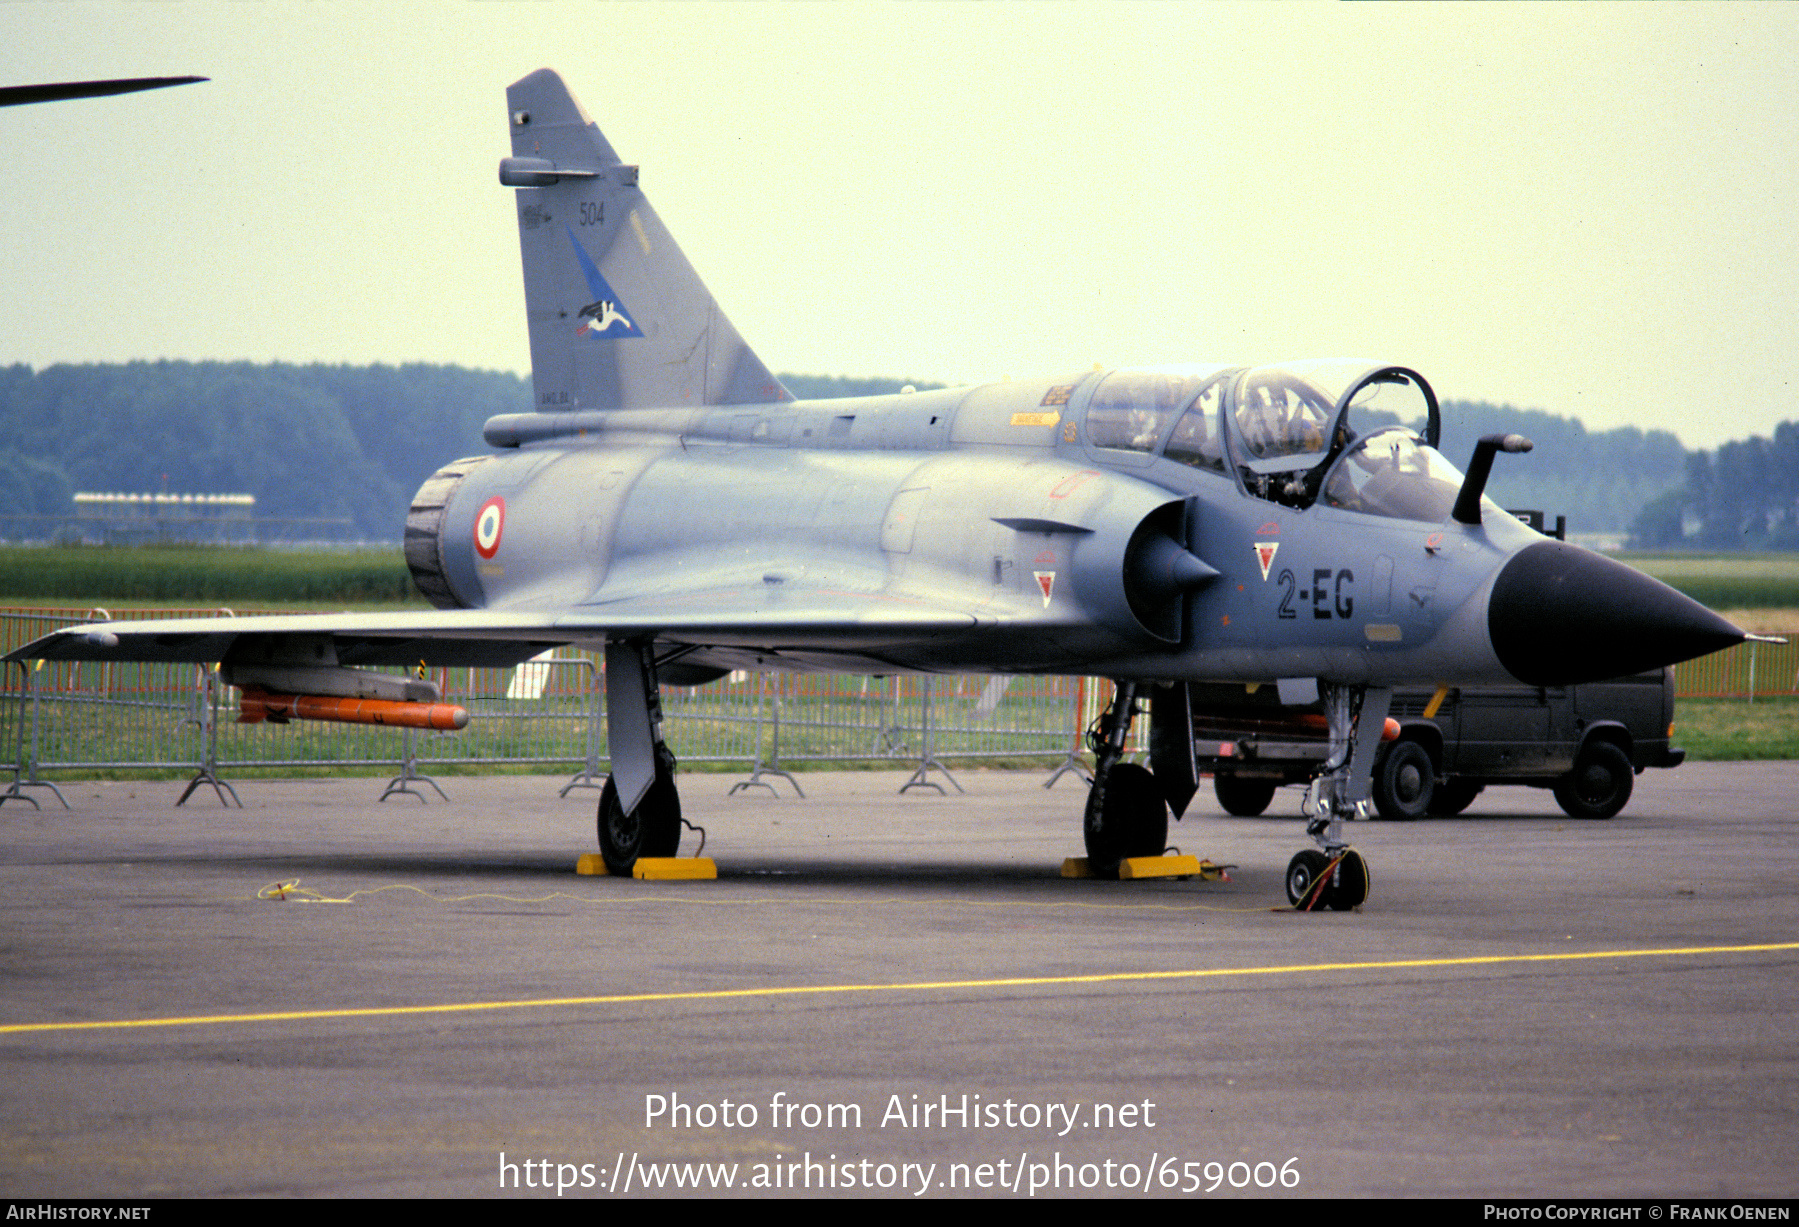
1348	886
654	830
1303	872
1243	797
1126	816
1453	796
1600	784
1404	782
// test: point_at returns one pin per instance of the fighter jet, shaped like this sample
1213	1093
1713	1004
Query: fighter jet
668	503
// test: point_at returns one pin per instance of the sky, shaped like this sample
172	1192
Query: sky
1587	209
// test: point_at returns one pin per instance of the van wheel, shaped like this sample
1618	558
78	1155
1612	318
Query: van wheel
1451	797
1600	784
1405	782
1244	798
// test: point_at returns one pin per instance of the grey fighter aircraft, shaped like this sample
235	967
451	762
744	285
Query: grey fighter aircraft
669	503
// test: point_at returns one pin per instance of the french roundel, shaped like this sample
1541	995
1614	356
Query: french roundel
488	526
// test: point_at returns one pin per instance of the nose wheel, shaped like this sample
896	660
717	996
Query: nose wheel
1334	875
643	768
1316	881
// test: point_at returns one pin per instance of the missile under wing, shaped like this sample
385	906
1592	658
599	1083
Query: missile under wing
668	502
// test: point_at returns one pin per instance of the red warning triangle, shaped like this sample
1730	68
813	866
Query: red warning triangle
1045	580
1265	555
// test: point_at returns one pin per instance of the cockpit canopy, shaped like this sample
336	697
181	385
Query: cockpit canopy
1291	433
1390	473
1132	409
1293	416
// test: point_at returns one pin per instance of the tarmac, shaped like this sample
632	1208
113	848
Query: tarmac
894	996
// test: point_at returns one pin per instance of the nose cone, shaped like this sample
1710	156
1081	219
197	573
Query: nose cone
1560	614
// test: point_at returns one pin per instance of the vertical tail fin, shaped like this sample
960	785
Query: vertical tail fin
618	317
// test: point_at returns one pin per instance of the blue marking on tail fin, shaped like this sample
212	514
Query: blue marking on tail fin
605	318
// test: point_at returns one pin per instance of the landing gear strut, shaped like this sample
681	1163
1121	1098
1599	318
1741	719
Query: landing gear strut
640	810
1126	813
1336	876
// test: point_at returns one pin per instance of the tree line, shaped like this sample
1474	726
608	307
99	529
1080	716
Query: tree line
1600	480
1745	495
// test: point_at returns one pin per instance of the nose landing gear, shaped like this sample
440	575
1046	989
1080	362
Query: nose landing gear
1335	876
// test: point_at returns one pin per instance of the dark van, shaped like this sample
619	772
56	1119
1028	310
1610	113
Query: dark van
1587	743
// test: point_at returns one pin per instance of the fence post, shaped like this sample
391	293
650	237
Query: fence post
21	761
209	740
588	776
409	773
758	769
926	759
18	758
1071	762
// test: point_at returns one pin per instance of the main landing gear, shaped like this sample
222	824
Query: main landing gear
640	811
1126	812
1335	876
652	829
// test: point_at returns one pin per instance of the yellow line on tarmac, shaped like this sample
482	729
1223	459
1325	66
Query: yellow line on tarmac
916	986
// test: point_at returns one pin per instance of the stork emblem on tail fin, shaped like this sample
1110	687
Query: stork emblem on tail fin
601	316
604	318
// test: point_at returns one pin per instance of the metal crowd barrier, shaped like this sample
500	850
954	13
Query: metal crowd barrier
1747	671
90	718
95	718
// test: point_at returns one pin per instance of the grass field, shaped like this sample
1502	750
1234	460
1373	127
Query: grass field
1726	730
190	575
1727	581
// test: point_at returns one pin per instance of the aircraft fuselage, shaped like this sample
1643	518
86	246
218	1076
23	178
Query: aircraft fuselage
994	501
